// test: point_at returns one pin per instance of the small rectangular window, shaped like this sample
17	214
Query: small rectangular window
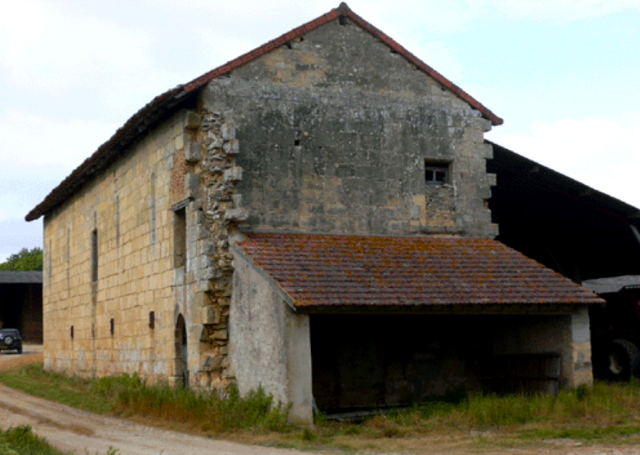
72	334
152	319
112	329
436	174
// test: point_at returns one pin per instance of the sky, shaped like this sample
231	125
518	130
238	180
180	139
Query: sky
563	74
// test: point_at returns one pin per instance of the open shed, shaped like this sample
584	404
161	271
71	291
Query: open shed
21	303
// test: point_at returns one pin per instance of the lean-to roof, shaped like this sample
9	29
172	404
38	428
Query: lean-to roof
320	270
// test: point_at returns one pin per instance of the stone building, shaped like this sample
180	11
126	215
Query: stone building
310	218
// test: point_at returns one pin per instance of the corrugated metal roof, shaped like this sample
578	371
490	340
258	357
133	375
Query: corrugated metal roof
612	284
171	100
10	276
342	270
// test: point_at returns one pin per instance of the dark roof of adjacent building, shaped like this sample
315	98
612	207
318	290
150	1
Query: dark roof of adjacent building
168	102
11	277
531	172
343	270
561	222
612	284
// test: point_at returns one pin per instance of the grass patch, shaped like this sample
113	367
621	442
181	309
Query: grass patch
213	412
129	395
604	413
72	391
22	441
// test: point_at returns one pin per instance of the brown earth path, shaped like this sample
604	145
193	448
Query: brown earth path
71	429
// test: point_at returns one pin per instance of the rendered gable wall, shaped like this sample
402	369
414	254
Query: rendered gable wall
333	136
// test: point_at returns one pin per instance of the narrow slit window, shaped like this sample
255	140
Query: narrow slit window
94	255
152	320
112	329
152	208
436	174
179	238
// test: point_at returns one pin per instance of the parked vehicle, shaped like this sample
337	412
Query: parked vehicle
10	340
615	328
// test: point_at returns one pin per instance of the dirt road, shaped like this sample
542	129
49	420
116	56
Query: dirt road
70	429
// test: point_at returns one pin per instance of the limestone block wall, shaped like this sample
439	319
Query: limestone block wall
117	315
335	133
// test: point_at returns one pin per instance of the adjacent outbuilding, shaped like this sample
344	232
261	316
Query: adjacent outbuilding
21	303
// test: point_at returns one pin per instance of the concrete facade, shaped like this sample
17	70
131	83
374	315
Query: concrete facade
270	343
329	133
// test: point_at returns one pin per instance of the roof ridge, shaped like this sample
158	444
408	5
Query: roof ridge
344	11
152	111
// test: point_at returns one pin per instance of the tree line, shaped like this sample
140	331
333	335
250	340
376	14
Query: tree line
24	260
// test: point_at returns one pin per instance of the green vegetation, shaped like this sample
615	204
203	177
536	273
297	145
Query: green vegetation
75	392
212	412
604	413
129	395
21	441
24	260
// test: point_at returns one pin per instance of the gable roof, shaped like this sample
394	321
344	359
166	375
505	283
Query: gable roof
169	101
13	277
318	270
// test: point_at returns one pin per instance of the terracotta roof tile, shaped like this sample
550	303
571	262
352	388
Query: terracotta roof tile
342	270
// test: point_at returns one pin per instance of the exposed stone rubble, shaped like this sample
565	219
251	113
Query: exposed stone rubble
213	157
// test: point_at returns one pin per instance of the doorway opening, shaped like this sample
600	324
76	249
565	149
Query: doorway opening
181	366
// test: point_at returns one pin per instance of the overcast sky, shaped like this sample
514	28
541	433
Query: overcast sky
563	74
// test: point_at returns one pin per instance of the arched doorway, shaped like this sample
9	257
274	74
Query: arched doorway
182	369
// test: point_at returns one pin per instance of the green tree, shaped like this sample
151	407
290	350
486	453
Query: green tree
24	260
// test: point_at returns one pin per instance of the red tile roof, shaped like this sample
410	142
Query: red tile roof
150	114
343	270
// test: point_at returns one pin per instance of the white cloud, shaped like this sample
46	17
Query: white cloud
10	204
603	154
28	139
45	48
563	10
36	153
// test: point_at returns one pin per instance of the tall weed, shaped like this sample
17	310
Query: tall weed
212	411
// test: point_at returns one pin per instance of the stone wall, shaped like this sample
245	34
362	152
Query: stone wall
567	335
335	133
270	343
104	327
217	210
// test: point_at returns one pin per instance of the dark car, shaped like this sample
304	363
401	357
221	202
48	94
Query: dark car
10	340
